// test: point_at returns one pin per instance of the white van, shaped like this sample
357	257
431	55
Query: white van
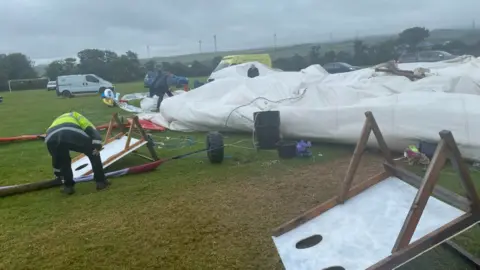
70	85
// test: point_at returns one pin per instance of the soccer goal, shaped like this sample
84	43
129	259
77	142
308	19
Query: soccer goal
27	84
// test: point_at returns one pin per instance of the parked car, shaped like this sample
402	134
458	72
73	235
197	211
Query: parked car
70	85
172	80
339	67
51	85
425	56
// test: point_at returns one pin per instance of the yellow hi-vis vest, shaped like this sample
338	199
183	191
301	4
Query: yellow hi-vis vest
72	118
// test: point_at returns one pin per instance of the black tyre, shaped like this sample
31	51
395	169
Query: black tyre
215	147
66	94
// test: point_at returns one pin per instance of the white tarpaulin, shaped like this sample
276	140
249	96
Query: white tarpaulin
147	104
330	107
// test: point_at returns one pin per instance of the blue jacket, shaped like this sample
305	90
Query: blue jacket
171	79
157	81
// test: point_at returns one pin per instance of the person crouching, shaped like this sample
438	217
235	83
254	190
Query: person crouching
73	132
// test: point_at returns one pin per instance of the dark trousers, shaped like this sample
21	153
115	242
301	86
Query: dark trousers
61	160
160	93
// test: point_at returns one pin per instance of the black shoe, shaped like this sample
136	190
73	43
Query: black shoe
102	185
68	190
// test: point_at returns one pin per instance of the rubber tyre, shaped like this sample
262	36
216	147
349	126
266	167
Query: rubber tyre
66	94
215	147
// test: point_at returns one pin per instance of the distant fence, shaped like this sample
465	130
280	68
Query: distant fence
25	84
16	90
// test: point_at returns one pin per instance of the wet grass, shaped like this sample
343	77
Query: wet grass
188	214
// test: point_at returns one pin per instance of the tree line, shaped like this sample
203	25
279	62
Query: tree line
122	68
409	40
127	67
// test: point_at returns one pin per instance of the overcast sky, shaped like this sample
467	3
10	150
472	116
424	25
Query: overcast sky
51	29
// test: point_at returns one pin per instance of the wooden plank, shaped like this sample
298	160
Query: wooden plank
113	157
355	161
129	138
469	258
117	136
426	243
119	123
77	157
462	169
421	199
380	140
143	156
107	136
150	144
318	210
439	192
109	131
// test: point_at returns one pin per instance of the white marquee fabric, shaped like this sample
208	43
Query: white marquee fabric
330	107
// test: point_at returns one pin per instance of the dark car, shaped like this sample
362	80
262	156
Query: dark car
175	80
339	67
425	56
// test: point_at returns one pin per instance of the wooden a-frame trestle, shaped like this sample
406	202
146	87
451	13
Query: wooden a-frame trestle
403	251
129	146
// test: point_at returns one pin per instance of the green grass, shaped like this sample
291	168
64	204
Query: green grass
188	214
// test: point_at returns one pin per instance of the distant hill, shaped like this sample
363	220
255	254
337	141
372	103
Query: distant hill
279	52
436	36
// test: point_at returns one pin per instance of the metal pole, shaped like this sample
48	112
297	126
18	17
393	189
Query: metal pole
275	41
215	42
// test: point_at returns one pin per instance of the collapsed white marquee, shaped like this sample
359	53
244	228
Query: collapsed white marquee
330	107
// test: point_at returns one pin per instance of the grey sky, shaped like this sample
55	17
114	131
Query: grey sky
49	29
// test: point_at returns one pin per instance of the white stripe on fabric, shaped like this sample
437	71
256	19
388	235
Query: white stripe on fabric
56	170
81	132
96	141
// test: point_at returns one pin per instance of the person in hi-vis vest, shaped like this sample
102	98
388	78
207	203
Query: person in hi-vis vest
73	132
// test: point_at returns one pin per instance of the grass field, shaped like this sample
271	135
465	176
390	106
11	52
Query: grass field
188	214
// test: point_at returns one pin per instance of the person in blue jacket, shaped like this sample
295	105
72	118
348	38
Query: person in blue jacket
157	82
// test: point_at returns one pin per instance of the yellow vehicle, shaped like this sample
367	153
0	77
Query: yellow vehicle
231	60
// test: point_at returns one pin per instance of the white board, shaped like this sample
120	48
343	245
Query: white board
108	151
362	231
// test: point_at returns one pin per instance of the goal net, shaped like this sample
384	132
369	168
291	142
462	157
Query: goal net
27	84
